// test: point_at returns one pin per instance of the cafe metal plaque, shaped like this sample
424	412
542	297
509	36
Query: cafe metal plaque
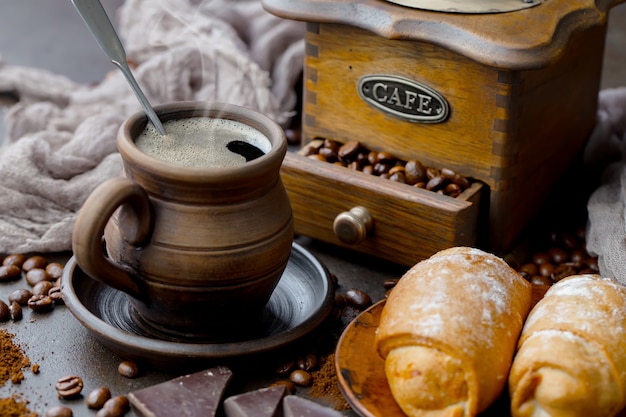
403	98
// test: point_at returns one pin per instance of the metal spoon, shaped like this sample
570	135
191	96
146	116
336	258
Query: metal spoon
98	22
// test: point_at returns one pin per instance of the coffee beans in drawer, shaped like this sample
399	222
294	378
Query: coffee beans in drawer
354	155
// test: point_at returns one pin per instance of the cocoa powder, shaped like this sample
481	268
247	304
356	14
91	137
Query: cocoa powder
15	406
325	385
12	359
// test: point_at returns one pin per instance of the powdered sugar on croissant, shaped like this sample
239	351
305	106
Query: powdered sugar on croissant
448	332
571	359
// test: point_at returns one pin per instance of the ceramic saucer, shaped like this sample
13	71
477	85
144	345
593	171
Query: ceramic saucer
301	301
361	371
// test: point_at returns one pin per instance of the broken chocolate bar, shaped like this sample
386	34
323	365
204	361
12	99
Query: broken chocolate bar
294	406
264	402
197	394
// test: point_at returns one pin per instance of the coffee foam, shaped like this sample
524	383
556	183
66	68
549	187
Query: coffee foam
200	142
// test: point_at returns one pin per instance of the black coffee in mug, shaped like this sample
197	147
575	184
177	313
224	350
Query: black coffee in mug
201	142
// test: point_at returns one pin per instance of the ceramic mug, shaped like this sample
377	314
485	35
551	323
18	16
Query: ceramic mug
199	251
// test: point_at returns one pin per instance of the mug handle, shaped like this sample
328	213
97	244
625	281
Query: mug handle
135	220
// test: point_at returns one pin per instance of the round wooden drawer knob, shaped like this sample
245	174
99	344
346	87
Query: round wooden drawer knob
351	227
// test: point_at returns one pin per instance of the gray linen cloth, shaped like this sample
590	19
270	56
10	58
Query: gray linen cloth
60	135
605	157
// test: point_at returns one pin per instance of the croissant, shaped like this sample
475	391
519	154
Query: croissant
448	332
571	358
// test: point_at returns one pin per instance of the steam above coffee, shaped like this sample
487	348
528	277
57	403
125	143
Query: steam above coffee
202	142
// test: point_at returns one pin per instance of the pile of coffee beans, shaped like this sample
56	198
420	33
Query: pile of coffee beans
564	254
355	156
44	285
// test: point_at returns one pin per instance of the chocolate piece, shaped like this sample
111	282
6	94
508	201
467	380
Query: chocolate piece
263	402
197	394
294	406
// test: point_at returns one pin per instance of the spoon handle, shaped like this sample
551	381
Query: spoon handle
98	22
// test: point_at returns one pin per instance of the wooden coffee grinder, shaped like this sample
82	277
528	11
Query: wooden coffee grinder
501	91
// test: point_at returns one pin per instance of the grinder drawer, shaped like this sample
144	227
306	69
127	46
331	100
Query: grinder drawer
390	220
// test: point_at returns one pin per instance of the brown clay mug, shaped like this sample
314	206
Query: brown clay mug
198	250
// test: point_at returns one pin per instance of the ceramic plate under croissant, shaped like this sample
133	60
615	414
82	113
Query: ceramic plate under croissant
361	371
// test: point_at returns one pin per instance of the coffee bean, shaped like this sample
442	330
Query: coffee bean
285	368
369	170
114	407
301	378
529	269
432	173
390	283
55	294
42	287
129	369
453	190
309	150
435	183
5	313
328	154
358	299
96	398
110	412
578	257
397	169
414	172
332	145
59	411
461	181
398	177
546	269
541	258
16	259
40	303
448	174
20	296
34	262
10	273
558	255
16	311
308	362
372	158
54	270
540	280
386	158
349	149
36	275
69	386
381	168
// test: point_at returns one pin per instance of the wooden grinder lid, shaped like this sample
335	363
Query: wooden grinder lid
528	38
